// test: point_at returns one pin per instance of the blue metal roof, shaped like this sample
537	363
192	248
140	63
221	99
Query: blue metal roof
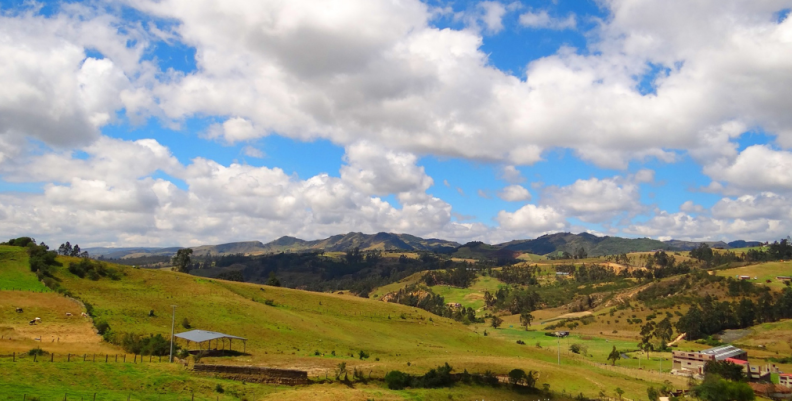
200	336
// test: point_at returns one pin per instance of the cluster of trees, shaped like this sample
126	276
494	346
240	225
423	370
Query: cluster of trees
514	299
442	377
709	316
423	298
94	270
462	276
703	253
68	250
778	250
181	260
662	330
517	275
579	253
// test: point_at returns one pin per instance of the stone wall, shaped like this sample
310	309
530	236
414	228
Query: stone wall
255	374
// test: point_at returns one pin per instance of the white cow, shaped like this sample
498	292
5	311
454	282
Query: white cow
38	320
68	314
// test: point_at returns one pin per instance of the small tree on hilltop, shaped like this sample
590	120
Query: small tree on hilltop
181	261
496	322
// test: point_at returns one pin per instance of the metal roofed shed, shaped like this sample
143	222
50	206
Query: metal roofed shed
725	351
204	336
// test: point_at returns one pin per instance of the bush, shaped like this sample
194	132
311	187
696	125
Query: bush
37	351
137	344
269	302
102	327
397	380
363	354
219	388
521	342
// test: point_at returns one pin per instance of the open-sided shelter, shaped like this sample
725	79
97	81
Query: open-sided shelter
204	337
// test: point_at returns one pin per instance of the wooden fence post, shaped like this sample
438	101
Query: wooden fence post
106	356
124	358
34	357
52	357
14	356
94	358
83	357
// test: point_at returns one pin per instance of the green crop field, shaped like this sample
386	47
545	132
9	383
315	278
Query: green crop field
15	273
763	272
285	328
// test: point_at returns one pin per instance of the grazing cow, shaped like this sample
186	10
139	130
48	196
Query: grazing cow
38	320
68	314
32	321
19	310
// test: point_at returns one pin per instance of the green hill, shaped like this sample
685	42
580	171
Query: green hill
285	328
592	244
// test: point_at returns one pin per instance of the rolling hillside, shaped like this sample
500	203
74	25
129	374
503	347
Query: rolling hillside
594	245
285	328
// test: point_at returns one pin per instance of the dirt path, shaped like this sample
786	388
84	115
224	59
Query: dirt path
678	339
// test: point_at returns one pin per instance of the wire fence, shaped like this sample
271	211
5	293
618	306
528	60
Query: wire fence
23	357
102	396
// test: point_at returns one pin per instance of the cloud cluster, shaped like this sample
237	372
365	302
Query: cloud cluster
376	77
112	192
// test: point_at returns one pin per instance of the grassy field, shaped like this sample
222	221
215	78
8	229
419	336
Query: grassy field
471	297
287	334
763	272
15	272
530	257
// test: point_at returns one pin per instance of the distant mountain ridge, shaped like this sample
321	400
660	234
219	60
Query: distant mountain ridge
544	245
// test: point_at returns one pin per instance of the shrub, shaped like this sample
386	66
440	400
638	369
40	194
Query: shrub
37	351
185	323
102	327
269	302
521	342
219	388
575	348
397	380
363	354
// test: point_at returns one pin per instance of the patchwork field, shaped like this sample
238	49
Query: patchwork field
285	328
763	272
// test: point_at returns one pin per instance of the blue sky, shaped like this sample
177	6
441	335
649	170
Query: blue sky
602	127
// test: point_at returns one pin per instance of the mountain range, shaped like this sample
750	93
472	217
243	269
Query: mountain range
546	244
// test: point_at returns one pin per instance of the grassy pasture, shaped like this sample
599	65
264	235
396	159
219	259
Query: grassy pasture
763	272
471	297
15	271
286	334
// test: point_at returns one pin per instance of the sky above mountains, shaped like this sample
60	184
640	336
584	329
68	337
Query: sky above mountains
186	122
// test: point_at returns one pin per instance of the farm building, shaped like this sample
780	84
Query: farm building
204	338
785	379
692	363
771	391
